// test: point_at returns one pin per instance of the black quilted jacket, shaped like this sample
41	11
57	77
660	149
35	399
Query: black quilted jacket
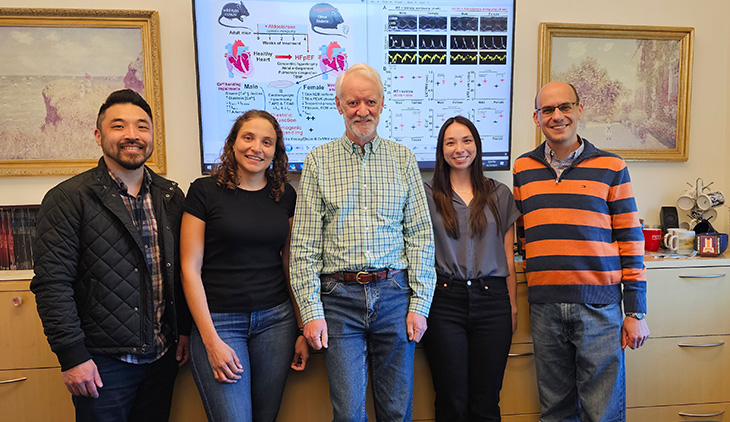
92	285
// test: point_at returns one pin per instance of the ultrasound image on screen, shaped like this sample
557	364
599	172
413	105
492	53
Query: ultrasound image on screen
432	23
492	24
432	42
405	42
462	42
402	23
464	23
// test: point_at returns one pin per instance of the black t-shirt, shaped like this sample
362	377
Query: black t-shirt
245	232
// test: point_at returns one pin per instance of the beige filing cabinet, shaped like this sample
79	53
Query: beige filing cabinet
36	391
31	385
682	372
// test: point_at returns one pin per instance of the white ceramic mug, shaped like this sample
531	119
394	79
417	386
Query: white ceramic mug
686	200
679	241
671	239
709	200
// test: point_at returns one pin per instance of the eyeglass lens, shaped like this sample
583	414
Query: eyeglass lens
564	108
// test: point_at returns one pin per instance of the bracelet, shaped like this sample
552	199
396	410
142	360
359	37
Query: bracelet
301	332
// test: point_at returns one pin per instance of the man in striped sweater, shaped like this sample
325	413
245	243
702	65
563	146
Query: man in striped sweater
583	254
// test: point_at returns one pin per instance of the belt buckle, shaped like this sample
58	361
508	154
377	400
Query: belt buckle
357	277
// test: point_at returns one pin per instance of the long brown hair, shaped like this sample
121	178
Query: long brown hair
484	188
226	172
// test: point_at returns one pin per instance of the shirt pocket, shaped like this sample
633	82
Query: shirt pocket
390	201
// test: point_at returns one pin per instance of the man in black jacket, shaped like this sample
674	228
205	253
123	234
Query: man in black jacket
107	279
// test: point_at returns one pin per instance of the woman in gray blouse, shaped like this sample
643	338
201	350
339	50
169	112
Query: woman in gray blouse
473	314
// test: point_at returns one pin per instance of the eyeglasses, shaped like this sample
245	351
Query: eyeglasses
565	108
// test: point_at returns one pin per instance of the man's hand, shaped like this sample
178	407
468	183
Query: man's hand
415	326
183	350
634	333
83	379
315	332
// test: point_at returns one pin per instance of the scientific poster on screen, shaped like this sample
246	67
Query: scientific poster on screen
436	59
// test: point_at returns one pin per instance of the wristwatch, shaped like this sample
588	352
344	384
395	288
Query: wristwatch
637	315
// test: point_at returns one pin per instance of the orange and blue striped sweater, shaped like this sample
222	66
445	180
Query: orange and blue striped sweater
580	231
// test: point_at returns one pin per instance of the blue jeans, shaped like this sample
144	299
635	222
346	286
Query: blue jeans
366	325
467	344
579	361
131	392
264	343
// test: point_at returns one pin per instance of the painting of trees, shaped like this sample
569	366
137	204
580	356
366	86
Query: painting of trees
599	93
634	81
635	103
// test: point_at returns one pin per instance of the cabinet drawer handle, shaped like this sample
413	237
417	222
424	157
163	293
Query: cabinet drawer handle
516	355
700	415
703	276
13	380
720	343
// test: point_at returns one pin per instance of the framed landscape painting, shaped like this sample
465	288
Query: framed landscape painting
57	66
635	84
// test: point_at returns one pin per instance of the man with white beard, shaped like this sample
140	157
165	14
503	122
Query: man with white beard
362	256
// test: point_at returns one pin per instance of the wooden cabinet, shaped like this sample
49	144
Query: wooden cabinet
688	301
31	385
708	412
532	417
681	371
519	399
306	398
24	353
679	374
519	391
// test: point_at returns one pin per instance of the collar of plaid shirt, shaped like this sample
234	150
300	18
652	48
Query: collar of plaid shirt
143	216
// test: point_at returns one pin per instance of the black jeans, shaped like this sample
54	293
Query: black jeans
467	343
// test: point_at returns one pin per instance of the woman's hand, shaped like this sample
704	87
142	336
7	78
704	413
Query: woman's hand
224	362
301	354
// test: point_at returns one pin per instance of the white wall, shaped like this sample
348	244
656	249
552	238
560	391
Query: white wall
655	183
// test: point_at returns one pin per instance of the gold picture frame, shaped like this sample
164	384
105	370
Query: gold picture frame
57	66
635	83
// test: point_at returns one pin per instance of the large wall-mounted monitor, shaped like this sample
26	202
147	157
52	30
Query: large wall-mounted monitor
437	59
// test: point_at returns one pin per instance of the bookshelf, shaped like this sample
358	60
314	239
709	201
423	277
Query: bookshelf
17	230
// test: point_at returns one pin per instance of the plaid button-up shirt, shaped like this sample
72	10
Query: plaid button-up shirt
357	211
143	216
560	165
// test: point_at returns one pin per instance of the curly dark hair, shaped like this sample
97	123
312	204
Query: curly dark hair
226	171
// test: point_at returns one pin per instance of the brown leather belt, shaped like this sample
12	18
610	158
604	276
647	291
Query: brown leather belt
363	277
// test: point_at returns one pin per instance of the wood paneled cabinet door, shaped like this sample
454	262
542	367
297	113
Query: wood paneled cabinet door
31	384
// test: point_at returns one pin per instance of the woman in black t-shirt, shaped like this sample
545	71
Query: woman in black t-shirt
234	249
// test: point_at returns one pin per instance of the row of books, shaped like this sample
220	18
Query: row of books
17	230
